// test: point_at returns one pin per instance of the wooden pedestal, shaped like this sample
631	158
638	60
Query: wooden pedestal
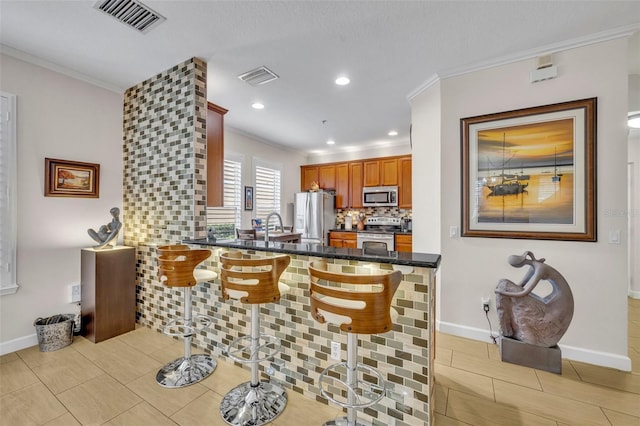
108	303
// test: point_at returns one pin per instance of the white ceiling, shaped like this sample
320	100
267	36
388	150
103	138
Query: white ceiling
388	49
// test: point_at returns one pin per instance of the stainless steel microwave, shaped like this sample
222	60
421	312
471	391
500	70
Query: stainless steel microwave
380	196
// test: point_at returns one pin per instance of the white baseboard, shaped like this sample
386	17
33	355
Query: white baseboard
634	294
604	359
464	331
17	344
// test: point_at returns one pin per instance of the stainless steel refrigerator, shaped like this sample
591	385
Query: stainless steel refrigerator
314	215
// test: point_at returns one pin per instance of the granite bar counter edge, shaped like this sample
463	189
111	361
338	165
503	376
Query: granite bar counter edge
424	260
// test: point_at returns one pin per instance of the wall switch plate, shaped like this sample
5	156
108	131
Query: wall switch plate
614	236
453	231
335	351
74	293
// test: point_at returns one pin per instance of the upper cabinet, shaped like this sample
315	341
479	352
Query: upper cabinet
308	175
327	177
404	182
215	154
356	174
381	172
342	186
323	175
348	179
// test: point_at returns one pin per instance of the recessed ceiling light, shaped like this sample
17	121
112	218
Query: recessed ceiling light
342	81
331	142
393	133
257	105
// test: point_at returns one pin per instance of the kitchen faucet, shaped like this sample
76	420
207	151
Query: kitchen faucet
266	225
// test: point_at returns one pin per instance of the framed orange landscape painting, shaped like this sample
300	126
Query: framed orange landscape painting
531	173
71	179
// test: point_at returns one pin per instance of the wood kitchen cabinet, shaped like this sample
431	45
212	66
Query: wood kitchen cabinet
215	155
324	175
308	175
342	239
381	172
371	173
355	184
327	176
342	186
348	178
404	183
404	242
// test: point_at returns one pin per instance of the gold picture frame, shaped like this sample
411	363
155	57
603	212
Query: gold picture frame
63	178
531	173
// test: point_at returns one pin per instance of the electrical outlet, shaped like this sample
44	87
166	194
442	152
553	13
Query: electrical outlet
486	303
335	351
74	293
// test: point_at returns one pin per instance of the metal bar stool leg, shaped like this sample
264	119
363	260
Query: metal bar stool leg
352	375
255	402
190	368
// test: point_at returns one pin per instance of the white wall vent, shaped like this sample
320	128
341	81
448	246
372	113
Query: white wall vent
132	13
258	76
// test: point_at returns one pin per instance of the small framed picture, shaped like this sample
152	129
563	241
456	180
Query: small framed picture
64	178
248	197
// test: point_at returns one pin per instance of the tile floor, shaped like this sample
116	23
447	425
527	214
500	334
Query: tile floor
473	387
113	383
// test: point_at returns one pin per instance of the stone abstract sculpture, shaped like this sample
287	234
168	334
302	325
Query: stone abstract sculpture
107	235
525	316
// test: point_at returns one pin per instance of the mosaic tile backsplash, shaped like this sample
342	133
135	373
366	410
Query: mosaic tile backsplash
164	190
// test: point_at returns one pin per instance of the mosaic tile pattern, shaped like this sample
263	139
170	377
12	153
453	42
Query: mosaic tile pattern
373	211
402	355
164	175
164	190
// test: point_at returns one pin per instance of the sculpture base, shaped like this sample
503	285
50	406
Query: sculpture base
517	352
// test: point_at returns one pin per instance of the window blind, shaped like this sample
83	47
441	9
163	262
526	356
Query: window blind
267	192
225	219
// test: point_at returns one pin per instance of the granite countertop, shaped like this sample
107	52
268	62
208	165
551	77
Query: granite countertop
312	249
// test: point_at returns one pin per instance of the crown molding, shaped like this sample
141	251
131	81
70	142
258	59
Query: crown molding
23	56
435	78
574	43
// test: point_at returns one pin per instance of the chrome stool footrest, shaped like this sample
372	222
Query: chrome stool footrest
268	347
181	327
186	371
249	405
343	421
366	393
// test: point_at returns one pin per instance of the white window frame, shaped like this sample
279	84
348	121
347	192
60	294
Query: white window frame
277	206
8	196
236	202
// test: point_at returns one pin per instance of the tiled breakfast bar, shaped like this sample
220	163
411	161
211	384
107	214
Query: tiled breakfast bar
403	355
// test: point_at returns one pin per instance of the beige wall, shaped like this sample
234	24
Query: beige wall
471	267
64	118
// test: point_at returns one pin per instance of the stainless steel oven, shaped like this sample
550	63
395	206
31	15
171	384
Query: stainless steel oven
387	238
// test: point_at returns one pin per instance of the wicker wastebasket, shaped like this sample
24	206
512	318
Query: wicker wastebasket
54	332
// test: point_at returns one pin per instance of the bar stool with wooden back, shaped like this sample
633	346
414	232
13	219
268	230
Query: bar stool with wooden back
358	304
177	268
255	282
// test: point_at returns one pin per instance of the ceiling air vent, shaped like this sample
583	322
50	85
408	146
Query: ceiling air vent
258	76
132	13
